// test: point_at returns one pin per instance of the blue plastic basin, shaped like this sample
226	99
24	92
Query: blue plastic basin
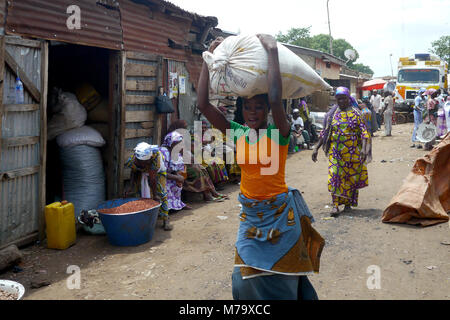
128	229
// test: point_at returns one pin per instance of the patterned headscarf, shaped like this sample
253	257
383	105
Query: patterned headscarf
342	90
172	138
144	151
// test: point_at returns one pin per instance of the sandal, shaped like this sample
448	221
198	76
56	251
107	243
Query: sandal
335	212
218	199
167	226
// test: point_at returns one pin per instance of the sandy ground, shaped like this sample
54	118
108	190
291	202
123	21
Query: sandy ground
195	260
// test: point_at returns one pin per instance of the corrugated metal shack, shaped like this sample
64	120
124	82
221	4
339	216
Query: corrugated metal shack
126	49
327	66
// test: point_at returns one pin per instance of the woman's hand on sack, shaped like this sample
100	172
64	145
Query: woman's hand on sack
215	43
268	42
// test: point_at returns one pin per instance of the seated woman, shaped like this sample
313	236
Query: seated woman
215	166
147	166
175	170
197	178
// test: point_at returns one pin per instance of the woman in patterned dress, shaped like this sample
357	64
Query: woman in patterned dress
175	169
346	142
148	172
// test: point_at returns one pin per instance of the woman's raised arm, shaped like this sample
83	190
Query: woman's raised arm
211	113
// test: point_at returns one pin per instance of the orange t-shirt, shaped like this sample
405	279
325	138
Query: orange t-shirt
262	162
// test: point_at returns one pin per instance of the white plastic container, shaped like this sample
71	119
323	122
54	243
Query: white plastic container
13	288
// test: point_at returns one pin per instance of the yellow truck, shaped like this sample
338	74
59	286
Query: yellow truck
421	70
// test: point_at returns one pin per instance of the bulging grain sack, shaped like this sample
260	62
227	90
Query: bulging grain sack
83	135
238	67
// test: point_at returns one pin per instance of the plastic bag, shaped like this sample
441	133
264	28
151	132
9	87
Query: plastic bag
83	177
84	135
238	67
70	114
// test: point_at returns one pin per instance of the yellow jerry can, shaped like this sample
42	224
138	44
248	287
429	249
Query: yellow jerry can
60	221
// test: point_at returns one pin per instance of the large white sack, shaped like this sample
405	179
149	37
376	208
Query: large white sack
84	135
238	67
71	114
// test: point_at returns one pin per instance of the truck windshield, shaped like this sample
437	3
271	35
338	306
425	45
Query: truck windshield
418	75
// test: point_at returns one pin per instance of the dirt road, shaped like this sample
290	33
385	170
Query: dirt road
195	260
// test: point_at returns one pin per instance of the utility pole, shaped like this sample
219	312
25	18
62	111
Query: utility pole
390	59
329	29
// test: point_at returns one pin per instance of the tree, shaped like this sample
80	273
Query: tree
441	47
321	42
361	68
296	36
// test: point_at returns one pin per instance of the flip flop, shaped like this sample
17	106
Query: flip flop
215	200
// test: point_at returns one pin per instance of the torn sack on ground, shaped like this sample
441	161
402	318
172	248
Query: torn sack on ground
424	198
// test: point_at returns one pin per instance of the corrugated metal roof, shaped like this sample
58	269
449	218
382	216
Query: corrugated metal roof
149	31
100	23
146	30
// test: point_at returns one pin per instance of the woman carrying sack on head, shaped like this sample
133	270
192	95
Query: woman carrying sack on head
148	174
276	246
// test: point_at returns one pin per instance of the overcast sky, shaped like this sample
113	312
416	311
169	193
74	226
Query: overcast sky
375	29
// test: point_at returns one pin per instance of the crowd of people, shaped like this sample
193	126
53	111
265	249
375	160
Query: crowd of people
156	174
429	107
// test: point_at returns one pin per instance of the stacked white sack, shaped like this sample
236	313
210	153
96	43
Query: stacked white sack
238	67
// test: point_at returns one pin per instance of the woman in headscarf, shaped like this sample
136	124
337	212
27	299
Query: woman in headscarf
346	142
366	113
149	176
271	254
175	171
432	107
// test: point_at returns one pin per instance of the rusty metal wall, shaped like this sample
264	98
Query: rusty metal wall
100	23
19	203
148	31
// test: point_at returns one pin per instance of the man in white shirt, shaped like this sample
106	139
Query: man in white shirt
375	100
419	106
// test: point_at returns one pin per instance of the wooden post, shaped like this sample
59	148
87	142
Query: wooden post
2	81
122	124
43	140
